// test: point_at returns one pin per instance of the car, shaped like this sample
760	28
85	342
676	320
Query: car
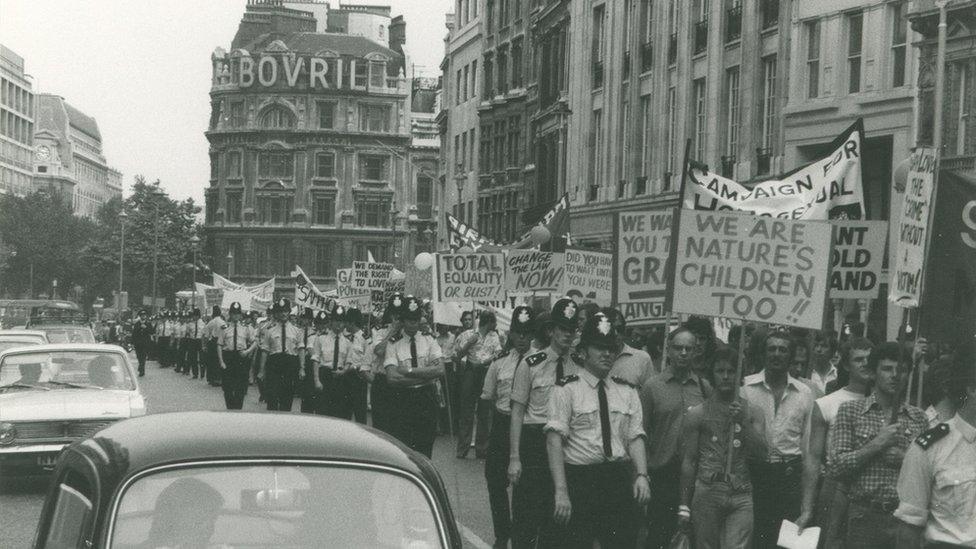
62	326
52	395
238	479
20	338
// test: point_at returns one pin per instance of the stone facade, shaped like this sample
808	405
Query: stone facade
17	107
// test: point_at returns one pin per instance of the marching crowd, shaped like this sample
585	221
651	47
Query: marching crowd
591	431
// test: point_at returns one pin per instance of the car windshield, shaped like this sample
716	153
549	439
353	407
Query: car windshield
57	370
69	334
279	505
19	341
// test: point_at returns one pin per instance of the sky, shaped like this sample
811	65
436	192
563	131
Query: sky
141	68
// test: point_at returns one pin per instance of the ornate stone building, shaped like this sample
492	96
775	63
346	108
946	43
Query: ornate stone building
310	147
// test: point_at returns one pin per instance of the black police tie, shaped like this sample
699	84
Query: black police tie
335	352
282	337
604	418
235	336
559	368
413	352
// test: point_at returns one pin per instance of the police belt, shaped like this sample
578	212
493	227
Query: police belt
885	506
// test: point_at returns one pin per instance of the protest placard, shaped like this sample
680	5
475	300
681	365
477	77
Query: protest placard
588	276
349	295
243	297
471	277
308	295
214	296
419	283
907	261
856	258
829	188
643	240
530	271
752	268
371	275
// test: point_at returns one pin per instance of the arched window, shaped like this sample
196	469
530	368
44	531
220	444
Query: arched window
277	117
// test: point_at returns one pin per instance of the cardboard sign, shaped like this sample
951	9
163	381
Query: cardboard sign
588	276
368	275
530	271
471	277
829	188
348	295
640	265
907	261
308	295
856	259
214	296
752	268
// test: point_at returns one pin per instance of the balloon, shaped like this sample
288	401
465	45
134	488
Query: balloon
900	177
465	250
540	235
423	261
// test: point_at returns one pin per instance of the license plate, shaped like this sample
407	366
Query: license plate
47	461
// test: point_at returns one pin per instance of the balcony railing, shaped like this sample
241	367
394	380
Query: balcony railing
733	24
701	36
770	14
598	74
673	48
647	56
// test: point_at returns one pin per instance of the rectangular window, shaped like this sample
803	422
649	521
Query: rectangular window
672	128
374	118
514	141
732	111
645	137
598	148
323	210
234	164
325	255
599	20
425	196
214	165
464	83
362	73
813	58
273	208
237	114
457	88
516	66
472	91
471	148
325	164
214	113
377	74
855	30
211	210
464	148
502	73
457	151
698	91
373	213
899	41
271	257
233	207
326	114
372	167
276	164
488	81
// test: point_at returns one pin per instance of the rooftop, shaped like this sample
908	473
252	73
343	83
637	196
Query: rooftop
314	42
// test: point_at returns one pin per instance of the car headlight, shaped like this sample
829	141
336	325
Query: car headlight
8	433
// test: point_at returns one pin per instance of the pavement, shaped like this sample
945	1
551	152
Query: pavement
166	391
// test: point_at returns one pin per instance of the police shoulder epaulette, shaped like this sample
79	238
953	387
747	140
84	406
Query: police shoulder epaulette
536	359
623	381
576	357
567	379
503	355
928	438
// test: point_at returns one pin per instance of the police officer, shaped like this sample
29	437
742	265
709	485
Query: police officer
386	333
179	345
330	359
279	368
497	389
193	338
164	338
413	365
937	481
235	342
142	332
312	324
211	332
595	440
528	467
356	380
260	326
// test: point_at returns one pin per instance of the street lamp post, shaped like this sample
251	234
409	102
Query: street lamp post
156	193
394	216
122	217
459	181
230	263
195	242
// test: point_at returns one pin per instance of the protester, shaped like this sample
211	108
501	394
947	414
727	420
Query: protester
446	339
665	400
716	499
822	372
595	444
475	349
867	447
786	404
632	365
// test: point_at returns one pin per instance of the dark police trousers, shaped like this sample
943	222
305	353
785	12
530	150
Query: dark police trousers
326	400
192	356
532	502
777	495
496	475
235	379
306	390
472	412
280	377
662	511
142	351
180	354
356	388
415	420
212	361
162	351
379	398
603	507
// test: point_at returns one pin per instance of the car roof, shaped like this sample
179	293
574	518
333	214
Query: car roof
161	439
51	347
20	333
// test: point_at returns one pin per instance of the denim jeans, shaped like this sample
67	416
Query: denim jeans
722	518
868	527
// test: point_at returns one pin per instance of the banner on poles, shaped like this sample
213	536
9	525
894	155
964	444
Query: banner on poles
949	299
856	258
348	295
471	277
829	188
460	234
643	242
263	293
588	276
308	295
556	220
905	288
753	268
244	297
529	271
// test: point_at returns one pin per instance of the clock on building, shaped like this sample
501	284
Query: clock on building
43	152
